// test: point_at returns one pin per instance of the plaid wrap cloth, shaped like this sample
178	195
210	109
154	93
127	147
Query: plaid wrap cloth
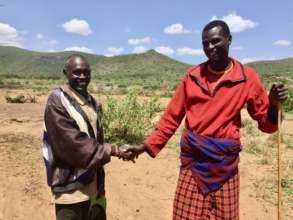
191	204
213	161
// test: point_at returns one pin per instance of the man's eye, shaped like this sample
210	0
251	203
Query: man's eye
216	41
77	73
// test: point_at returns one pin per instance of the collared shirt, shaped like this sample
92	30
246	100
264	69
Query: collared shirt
89	190
216	112
87	106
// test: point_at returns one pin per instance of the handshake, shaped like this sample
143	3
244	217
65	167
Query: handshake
127	152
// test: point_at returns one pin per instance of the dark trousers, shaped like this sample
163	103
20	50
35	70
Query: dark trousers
79	211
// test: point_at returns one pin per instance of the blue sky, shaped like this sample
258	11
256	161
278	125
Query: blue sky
261	29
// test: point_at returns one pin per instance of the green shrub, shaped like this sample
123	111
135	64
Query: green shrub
20	99
288	105
128	120
31	99
17	99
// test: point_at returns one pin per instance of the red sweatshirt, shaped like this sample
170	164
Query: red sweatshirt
213	113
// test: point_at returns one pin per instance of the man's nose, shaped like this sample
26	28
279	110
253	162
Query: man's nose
82	75
210	46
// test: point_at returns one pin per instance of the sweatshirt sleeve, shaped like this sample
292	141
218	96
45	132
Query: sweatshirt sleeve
258	105
169	122
69	144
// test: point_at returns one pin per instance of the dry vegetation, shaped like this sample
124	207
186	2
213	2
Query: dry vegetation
139	191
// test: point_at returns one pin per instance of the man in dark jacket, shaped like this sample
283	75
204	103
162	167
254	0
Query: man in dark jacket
73	146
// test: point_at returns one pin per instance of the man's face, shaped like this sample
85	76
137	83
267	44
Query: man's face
215	44
78	74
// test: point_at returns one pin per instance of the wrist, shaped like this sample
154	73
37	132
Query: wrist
142	148
273	114
114	151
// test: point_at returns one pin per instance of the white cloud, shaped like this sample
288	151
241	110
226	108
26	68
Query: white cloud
176	29
9	36
282	43
52	42
237	48
189	51
139	49
39	36
52	50
114	51
136	41
79	49
291	56
253	59
236	23
77	26
165	50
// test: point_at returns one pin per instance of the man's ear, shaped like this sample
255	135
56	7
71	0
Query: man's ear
230	39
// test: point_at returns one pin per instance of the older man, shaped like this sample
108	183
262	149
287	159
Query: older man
211	96
73	146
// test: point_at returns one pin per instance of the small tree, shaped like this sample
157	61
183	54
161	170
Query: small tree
128	120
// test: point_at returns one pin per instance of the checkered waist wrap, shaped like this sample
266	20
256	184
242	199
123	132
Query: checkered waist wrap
212	161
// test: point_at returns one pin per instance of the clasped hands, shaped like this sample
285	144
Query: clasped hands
128	152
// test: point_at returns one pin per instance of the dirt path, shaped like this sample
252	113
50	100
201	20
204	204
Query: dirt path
141	191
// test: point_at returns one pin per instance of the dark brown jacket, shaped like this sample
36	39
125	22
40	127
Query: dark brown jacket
72	157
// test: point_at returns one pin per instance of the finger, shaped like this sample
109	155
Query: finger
282	93
279	85
128	150
128	156
274	85
282	90
283	98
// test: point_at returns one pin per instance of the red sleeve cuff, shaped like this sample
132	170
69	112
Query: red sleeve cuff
268	126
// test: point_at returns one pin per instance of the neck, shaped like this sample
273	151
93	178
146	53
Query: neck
83	93
219	65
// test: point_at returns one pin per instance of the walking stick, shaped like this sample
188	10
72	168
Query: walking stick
279	162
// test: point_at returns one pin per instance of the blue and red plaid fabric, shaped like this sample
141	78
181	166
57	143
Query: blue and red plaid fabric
212	160
191	204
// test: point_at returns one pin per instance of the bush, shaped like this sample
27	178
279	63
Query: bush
20	99
128	120
17	99
288	105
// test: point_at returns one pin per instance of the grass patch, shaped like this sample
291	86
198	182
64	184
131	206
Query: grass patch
20	99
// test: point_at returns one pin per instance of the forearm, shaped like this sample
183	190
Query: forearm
273	114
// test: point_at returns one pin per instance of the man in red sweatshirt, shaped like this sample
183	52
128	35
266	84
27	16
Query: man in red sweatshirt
210	97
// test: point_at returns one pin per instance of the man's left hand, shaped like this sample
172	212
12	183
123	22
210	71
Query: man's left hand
278	94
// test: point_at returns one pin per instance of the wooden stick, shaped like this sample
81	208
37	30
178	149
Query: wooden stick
279	163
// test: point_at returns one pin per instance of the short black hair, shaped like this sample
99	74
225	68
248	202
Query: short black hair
216	23
73	56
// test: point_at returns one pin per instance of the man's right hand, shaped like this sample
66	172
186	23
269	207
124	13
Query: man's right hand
133	150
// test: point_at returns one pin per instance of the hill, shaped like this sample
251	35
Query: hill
20	63
275	70
150	71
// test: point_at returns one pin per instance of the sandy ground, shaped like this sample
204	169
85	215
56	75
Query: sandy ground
142	191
